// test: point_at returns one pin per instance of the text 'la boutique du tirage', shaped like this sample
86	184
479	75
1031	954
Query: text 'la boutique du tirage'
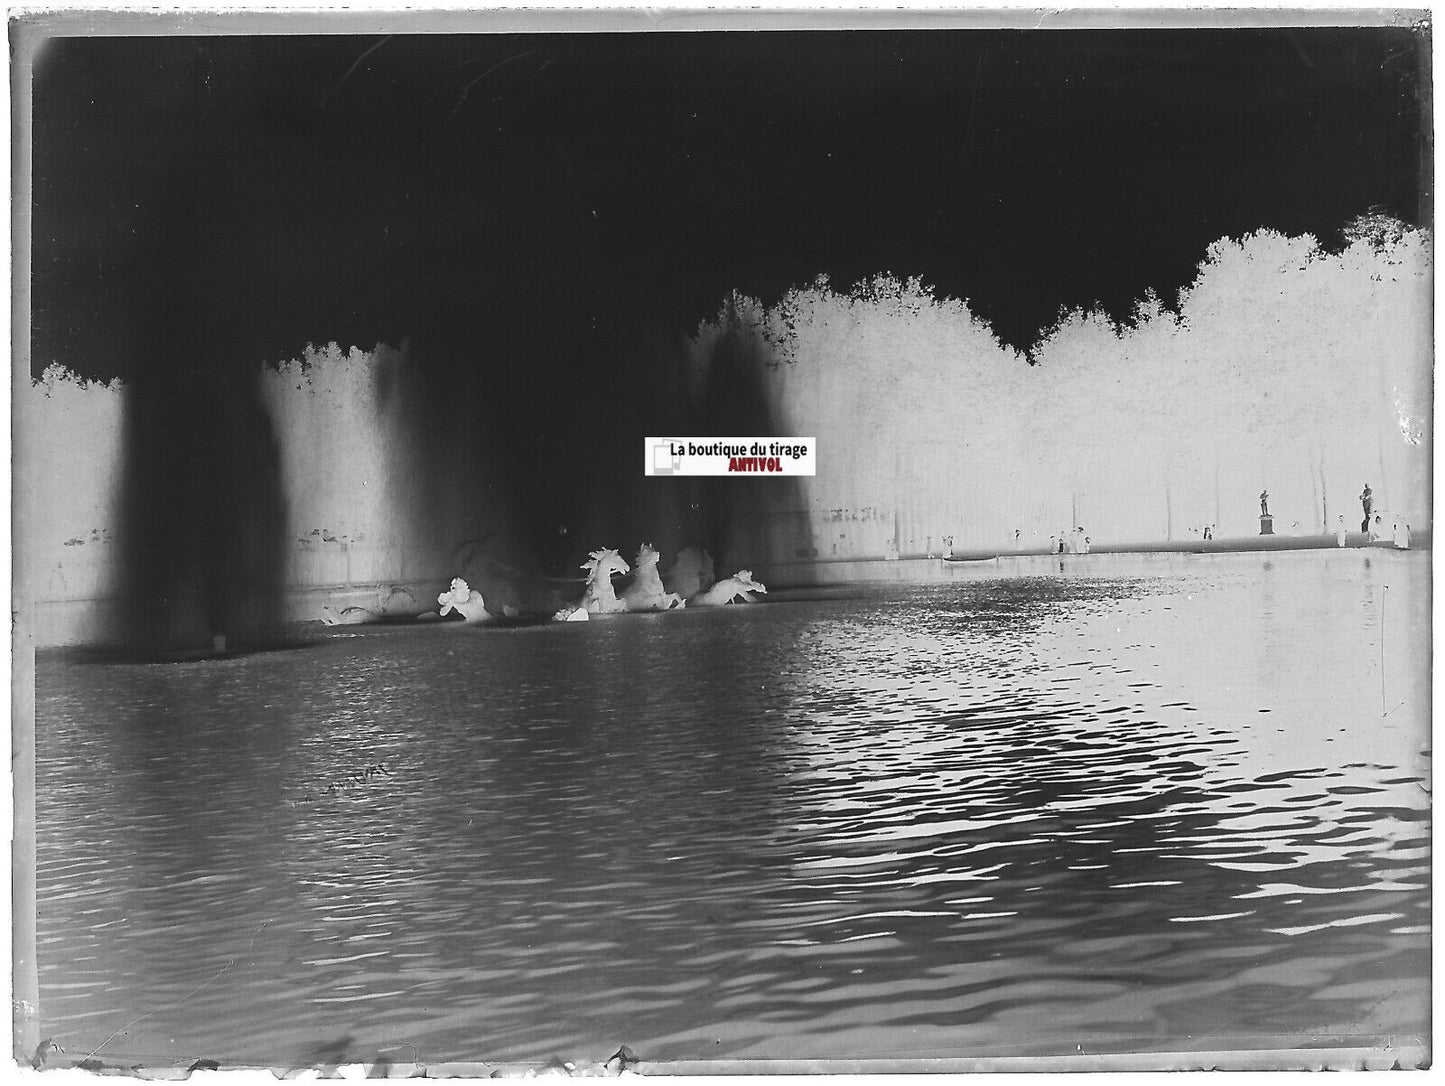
730	455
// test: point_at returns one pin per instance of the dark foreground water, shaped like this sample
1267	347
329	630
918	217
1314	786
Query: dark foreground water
1186	809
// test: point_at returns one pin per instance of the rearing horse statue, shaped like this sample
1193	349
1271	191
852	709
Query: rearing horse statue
600	597
646	592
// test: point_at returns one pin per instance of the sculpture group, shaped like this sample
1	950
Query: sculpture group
689	583
647	592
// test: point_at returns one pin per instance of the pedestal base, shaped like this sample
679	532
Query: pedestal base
1266	524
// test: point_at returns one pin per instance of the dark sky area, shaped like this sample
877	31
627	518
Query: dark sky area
236	197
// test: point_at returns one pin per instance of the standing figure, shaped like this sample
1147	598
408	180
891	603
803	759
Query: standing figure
1340	532
1264	503
1367	500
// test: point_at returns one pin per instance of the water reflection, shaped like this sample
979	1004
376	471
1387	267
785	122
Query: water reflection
991	817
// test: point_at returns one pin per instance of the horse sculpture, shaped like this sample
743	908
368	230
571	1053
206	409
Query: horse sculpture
739	586
600	597
465	600
646	592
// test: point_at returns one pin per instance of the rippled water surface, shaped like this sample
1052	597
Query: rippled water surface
1183	806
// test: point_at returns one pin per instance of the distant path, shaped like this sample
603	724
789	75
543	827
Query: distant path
1419	540
1039	561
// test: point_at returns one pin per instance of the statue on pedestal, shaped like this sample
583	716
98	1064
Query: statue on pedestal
1266	522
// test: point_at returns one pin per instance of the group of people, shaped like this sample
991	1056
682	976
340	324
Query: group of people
1373	524
1399	533
1075	542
